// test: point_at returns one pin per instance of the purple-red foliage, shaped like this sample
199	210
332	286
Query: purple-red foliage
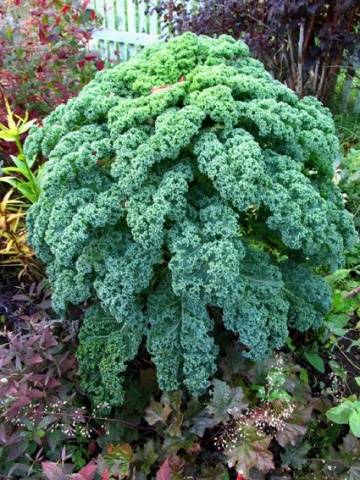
44	58
40	408
53	471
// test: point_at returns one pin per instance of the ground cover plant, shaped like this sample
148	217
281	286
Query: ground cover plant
187	193
40	412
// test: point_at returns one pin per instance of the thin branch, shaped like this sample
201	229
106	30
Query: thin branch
353	292
321	83
316	74
299	86
292	58
347	358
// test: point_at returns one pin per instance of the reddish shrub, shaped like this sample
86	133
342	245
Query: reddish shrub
44	59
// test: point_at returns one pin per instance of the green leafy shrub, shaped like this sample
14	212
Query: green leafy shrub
184	186
350	183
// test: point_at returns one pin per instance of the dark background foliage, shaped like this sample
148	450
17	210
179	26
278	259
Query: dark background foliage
304	43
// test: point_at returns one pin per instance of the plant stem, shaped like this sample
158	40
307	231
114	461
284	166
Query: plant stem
19	146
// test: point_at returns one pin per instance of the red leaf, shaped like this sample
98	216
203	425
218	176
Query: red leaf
22	402
65	8
164	471
47	339
85	4
42	35
99	65
92	15
33	359
92	448
240	476
35	394
88	472
52	471
105	475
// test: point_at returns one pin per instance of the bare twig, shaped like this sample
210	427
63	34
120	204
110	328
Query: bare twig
321	83
292	58
299	84
353	292
347	358
316	74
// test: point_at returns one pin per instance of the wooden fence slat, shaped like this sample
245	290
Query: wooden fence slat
125	29
142	18
134	38
131	16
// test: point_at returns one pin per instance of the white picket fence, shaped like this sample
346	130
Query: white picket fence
126	28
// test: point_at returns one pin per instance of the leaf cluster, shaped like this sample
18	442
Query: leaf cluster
348	413
20	175
40	410
14	247
44	59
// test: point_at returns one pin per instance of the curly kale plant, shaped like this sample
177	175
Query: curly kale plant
184	182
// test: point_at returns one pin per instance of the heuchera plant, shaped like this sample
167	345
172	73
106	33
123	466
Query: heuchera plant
184	186
39	409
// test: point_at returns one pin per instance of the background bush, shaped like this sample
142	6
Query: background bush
43	54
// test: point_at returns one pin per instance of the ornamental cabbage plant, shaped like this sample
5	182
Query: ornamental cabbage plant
184	182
